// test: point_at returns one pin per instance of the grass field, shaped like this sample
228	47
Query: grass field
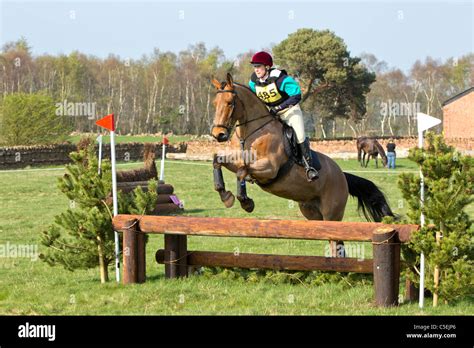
173	139
29	201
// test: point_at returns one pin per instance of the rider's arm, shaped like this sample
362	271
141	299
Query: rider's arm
252	85
292	88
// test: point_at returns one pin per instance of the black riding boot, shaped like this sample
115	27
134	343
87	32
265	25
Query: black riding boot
311	173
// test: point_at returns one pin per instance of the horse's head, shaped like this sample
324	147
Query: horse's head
224	102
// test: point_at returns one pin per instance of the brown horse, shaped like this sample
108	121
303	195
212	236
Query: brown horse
257	154
371	147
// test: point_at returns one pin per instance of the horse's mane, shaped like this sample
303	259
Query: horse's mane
244	86
254	96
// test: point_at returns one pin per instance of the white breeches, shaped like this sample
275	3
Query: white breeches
294	118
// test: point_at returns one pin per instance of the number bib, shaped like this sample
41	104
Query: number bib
269	94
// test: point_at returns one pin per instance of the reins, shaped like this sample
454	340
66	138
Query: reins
231	130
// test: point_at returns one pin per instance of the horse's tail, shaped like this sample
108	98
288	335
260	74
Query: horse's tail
370	199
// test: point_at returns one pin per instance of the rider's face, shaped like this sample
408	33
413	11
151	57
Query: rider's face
260	70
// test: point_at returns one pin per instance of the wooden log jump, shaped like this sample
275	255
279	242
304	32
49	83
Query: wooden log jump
126	187
275	262
385	238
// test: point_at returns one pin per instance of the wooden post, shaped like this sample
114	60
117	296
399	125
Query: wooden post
411	291
141	257
183	256
176	256
129	252
386	249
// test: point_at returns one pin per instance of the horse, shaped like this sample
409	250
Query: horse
257	155
371	147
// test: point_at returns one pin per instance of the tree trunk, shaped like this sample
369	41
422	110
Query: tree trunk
353	130
382	125
104	271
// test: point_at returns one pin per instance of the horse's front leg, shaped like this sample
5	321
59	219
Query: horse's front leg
363	160
227	197
246	202
262	168
245	172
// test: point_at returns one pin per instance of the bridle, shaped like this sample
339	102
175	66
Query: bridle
227	127
230	128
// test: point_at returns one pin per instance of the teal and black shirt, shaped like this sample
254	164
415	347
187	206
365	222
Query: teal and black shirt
279	89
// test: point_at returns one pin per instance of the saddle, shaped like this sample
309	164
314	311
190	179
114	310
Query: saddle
293	152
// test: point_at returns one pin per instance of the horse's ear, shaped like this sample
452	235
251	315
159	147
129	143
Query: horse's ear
230	80
216	83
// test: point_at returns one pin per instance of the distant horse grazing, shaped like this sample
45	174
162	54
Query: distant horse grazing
243	119
371	147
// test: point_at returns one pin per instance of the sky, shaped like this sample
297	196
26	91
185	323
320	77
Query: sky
398	32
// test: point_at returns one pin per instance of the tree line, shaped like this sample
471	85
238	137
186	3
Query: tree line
343	95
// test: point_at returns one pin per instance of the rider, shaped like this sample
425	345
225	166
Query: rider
281	93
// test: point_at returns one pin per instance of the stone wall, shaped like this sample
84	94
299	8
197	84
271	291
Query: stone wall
345	148
24	156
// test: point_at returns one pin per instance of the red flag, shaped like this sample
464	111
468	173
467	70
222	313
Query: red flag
107	122
165	141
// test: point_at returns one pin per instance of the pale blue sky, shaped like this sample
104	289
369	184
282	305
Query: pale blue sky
398	32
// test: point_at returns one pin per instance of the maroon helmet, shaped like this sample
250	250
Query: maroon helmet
262	58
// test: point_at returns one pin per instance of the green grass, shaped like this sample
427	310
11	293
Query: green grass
137	138
29	201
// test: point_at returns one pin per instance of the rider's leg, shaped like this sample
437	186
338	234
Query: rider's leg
294	118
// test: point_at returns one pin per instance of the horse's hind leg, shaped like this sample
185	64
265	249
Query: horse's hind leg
310	210
332	208
227	197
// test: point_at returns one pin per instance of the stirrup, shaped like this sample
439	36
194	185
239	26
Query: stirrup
315	173
309	169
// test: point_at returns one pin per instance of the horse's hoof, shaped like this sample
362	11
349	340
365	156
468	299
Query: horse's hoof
247	204
250	206
228	199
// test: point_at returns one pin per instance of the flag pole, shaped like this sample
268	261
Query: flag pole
163	154
108	122
424	122
99	139
115	204
421	295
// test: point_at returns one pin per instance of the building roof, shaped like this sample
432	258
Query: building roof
459	95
